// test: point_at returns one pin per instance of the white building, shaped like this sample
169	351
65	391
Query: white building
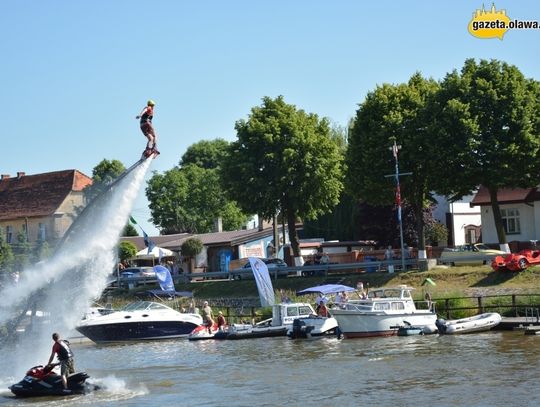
463	221
520	211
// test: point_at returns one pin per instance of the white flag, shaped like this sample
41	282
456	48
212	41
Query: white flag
262	278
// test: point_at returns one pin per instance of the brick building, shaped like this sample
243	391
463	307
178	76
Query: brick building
42	206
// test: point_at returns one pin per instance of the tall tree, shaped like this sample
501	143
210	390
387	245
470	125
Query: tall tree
190	199
394	112
207	154
102	175
284	160
493	112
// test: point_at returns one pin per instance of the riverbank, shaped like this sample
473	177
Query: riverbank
449	281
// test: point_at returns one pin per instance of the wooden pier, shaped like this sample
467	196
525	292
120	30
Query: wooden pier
518	323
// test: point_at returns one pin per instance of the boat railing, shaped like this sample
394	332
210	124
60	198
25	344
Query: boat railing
351	306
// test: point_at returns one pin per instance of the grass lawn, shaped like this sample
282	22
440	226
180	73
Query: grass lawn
450	282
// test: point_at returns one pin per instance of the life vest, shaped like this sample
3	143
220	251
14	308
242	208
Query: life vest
63	350
148	115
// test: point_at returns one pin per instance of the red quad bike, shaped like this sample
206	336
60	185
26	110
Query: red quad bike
42	381
516	261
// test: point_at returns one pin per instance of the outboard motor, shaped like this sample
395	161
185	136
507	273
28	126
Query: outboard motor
441	326
300	329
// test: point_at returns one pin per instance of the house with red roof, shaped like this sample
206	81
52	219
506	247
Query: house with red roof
41	206
520	211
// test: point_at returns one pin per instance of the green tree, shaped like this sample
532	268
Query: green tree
207	154
6	255
21	251
283	160
491	112
395	112
129	230
102	175
190	199
41	250
191	248
126	250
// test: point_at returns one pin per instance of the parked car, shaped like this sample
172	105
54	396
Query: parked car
138	272
272	265
516	261
477	253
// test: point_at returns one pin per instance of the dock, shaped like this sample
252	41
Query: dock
519	323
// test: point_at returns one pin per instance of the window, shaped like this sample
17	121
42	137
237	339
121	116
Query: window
292	312
510	218
303	310
9	234
382	306
42	235
397	306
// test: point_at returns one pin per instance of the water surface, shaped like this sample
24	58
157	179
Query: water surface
493	368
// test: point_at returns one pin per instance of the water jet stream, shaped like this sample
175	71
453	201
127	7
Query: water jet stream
65	285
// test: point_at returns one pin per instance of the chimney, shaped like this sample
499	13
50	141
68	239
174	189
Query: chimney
20	174
218	225
5	176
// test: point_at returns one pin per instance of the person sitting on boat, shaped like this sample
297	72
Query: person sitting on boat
208	317
321	297
193	309
322	310
221	321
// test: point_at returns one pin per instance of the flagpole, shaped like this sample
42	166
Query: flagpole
398	200
395	149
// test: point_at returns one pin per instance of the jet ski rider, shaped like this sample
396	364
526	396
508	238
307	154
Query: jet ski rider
65	356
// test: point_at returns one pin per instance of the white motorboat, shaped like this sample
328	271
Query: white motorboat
139	321
477	323
383	312
314	325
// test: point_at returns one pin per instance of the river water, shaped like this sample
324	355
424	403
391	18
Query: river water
493	368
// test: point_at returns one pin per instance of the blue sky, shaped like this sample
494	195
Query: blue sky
74	74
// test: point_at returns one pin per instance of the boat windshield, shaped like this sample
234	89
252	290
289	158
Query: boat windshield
144	305
390	293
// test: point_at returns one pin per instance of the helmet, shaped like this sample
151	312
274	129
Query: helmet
151	103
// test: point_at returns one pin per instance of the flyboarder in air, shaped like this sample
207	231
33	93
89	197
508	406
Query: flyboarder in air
146	117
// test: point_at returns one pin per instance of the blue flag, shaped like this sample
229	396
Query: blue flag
148	242
164	278
262	278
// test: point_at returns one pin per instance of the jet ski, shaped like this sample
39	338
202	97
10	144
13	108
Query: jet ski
42	381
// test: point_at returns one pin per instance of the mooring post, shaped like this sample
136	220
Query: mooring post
480	307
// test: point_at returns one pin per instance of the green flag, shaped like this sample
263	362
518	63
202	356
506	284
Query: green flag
428	281
132	220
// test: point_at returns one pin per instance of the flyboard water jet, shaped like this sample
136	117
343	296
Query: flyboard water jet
63	286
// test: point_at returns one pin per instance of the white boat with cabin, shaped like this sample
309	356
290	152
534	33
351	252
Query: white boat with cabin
283	316
383	312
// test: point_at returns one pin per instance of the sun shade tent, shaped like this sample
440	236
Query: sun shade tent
155	253
326	289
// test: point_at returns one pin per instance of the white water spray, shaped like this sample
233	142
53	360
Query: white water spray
76	275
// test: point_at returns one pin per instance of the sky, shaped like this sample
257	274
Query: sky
74	74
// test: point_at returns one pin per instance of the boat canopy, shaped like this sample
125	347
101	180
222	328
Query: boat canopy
326	289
